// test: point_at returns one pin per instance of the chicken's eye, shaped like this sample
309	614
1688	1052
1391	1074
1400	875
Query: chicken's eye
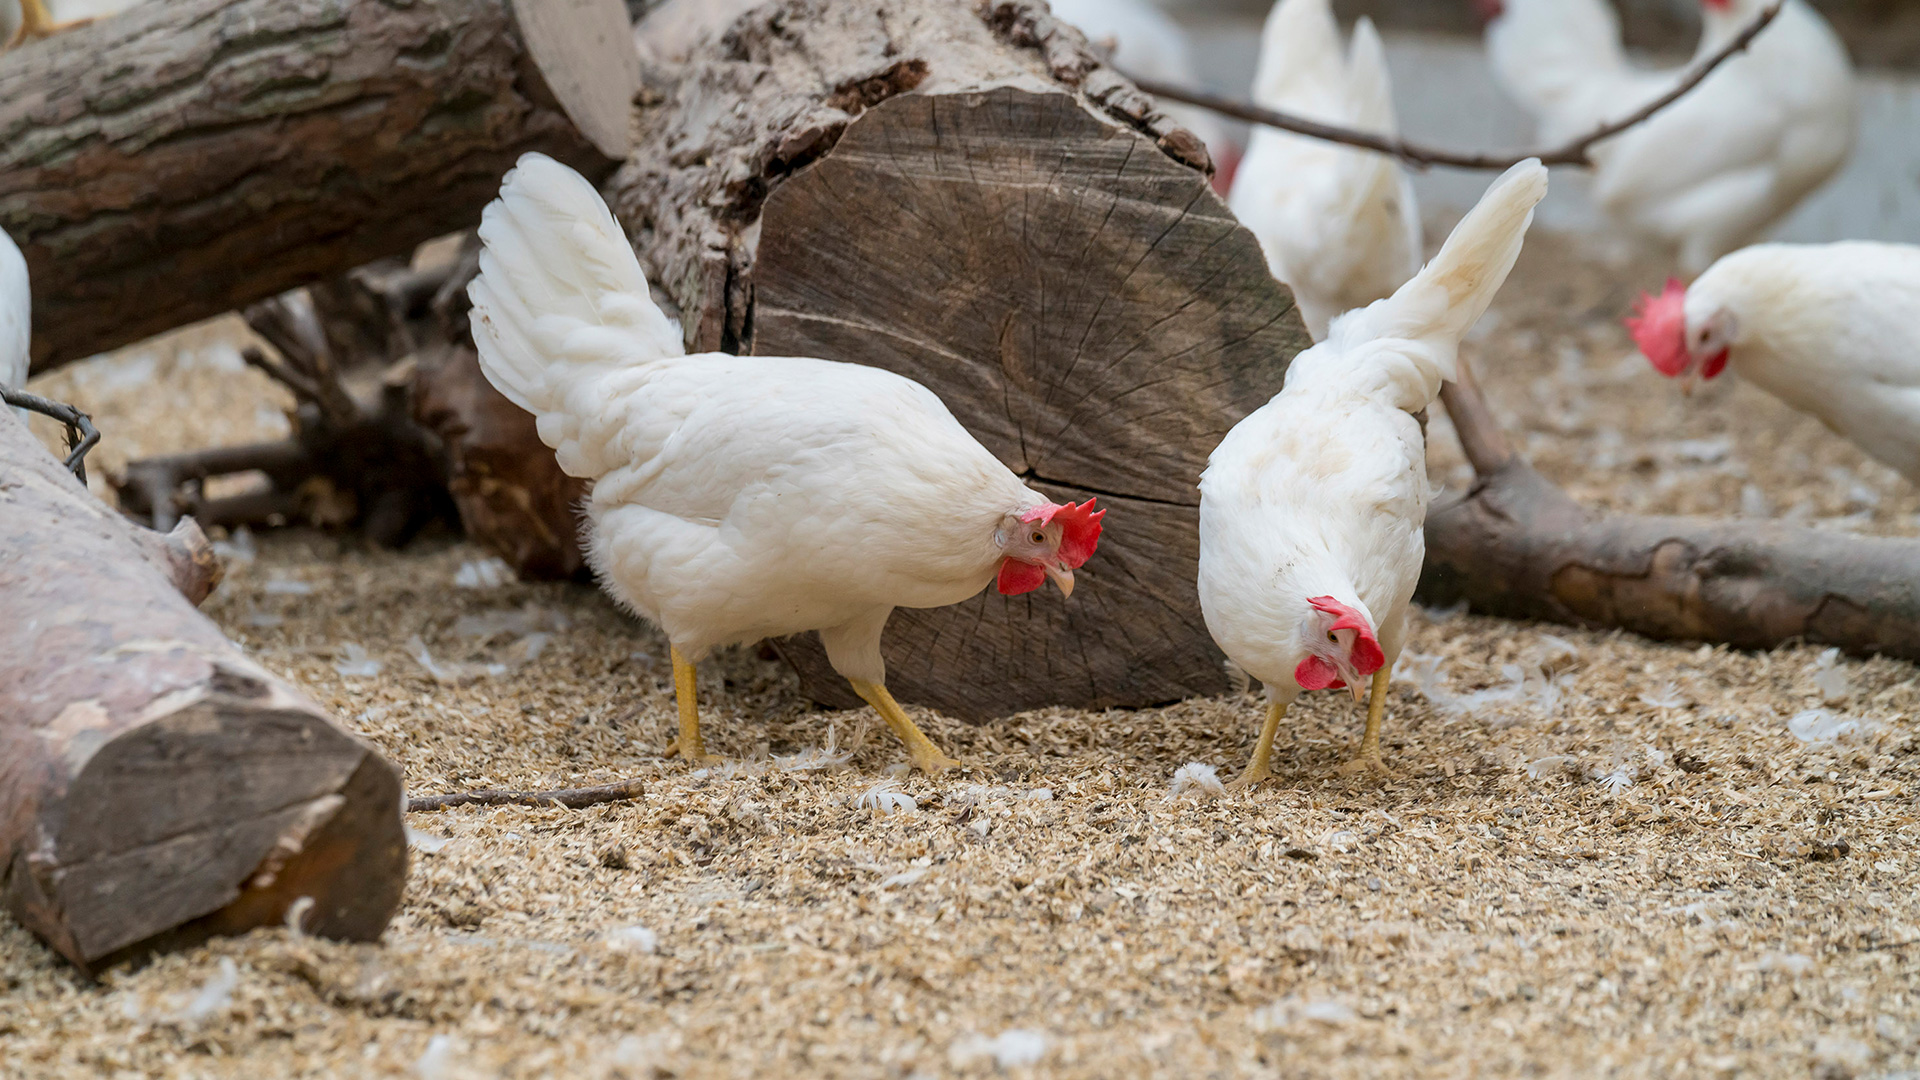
1333	637
1038	538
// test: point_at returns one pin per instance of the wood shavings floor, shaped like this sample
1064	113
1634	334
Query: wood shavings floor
1600	856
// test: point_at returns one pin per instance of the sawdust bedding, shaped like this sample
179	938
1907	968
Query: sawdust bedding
1600	856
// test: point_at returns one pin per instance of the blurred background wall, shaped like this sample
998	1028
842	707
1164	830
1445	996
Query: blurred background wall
1446	95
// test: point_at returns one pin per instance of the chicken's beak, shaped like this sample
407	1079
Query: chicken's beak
1689	381
1060	576
1355	688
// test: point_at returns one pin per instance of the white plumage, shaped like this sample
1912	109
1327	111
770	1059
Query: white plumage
1311	509
1148	43
1829	329
1338	225
1720	166
738	498
16	316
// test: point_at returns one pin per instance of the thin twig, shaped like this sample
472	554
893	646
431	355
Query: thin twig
571	798
302	387
1573	153
1884	946
81	434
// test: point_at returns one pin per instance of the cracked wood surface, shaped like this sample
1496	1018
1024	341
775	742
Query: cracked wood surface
963	194
188	158
1517	546
156	785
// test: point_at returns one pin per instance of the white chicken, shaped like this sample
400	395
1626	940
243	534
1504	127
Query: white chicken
1312	508
1827	328
1144	40
743	497
1719	167
16	317
1338	225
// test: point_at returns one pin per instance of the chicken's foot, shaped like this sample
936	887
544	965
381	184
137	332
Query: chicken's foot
690	745
1257	769
925	756
36	22
1369	759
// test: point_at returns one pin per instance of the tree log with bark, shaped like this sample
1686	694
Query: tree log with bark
1517	546
189	158
964	194
157	786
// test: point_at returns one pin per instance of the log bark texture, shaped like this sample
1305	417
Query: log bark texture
962	193
187	158
1517	546
157	786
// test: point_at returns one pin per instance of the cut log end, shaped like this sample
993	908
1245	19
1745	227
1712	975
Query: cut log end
1105	321
214	818
156	785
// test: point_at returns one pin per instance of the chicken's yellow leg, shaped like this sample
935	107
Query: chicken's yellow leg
689	745
1258	769
926	756
1369	759
36	22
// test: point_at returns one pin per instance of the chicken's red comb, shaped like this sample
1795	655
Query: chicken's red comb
1079	529
1367	654
1659	327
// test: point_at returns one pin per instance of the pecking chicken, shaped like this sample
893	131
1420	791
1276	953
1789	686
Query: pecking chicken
743	497
1144	40
1311	509
1338	225
1714	170
1827	328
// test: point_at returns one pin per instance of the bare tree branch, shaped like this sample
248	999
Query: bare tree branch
81	434
1573	153
571	798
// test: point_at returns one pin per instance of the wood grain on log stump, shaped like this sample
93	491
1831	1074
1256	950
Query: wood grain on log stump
963	194
188	158
156	785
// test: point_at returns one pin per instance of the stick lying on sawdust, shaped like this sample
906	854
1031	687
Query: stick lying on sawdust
571	798
1517	546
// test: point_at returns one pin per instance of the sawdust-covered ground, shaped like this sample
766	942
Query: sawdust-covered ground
1599	857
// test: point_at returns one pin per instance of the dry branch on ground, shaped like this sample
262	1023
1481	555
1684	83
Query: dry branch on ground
157	786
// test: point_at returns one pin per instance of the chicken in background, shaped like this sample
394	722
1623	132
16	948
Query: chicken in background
737	498
1339	225
1312	508
1144	40
1829	329
1716	169
16	318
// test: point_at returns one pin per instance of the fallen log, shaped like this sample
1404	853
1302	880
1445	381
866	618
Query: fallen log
157	786
184	159
963	193
1518	547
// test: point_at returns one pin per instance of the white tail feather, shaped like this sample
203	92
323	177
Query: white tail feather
1449	294
1299	52
1369	86
560	295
